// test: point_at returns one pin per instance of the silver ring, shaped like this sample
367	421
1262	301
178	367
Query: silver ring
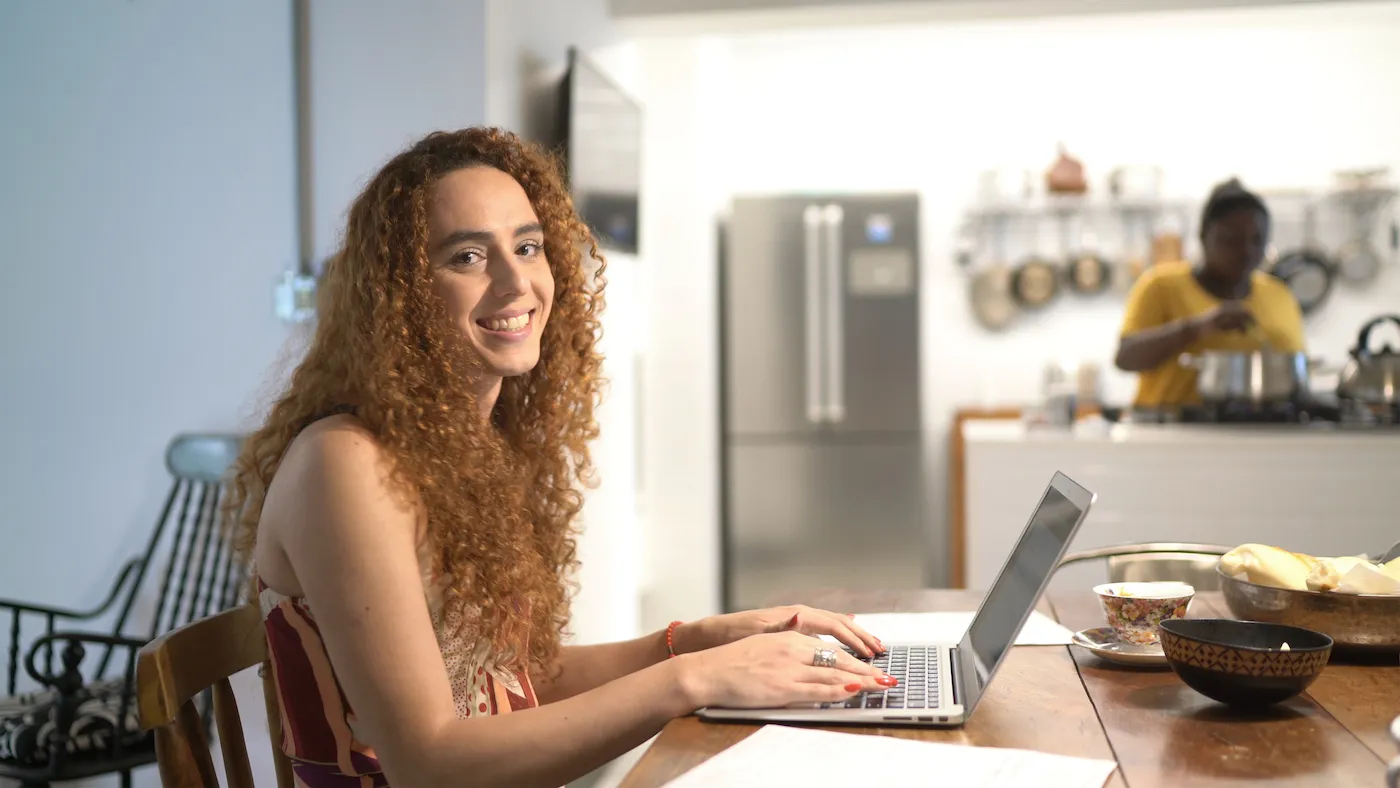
824	658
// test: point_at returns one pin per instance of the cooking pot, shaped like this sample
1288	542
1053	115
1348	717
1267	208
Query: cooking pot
1372	377
1254	377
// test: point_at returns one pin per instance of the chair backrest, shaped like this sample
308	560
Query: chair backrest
200	573
179	665
1193	568
1188	562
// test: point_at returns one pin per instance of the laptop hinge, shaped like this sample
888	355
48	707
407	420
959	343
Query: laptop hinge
953	673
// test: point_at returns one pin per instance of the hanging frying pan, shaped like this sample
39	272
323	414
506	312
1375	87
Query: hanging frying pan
989	293
1035	283
992	303
1358	261
1306	270
1085	272
1088	274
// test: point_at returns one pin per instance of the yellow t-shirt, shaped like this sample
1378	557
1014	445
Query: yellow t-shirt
1168	292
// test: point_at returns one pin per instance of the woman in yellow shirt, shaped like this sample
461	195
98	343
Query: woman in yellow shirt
1225	303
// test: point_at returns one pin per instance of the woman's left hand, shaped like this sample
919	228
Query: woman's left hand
719	630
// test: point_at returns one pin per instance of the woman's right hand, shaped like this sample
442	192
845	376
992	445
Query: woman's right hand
1229	316
770	670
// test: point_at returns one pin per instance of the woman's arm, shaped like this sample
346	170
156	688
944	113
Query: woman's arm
582	668
1150	347
352	548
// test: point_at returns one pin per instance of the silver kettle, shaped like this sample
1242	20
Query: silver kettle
1372	377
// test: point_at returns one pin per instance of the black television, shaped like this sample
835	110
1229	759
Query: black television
599	136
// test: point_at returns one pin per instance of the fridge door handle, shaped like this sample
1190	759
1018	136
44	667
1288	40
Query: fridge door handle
833	219
812	259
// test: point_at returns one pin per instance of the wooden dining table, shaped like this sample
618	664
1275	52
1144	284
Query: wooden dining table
1064	700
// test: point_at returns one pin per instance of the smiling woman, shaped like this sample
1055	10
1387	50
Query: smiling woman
491	270
409	505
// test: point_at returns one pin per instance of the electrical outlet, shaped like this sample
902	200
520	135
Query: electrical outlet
294	298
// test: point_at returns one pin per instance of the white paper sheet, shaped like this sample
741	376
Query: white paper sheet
947	627
782	756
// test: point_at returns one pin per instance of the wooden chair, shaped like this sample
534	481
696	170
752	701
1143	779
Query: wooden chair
175	668
1149	561
80	722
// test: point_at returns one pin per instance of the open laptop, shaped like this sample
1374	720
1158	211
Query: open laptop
940	683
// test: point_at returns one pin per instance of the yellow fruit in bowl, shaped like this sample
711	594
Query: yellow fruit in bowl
1269	566
1392	569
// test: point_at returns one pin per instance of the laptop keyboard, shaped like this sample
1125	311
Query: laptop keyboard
916	667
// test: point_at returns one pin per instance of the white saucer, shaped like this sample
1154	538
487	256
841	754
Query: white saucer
1103	642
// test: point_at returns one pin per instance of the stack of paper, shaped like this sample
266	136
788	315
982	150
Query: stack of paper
782	756
894	628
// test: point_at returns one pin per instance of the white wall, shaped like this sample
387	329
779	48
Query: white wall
526	48
1280	96
924	8
383	75
724	17
146	202
680	82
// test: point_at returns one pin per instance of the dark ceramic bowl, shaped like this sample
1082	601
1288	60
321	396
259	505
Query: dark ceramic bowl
1241	663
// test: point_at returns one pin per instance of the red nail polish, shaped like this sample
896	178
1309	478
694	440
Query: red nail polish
887	681
852	687
792	623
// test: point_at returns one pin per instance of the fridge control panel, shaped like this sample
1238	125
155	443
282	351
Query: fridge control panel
880	271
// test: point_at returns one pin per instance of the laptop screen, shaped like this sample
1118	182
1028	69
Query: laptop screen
1023	578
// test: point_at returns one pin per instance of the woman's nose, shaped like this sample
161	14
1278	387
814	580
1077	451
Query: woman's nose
508	277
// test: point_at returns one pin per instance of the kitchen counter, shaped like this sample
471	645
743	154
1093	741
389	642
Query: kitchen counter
1320	489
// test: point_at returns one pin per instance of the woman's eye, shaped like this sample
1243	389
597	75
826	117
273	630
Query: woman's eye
529	249
467	258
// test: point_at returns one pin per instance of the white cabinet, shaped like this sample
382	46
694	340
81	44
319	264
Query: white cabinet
1319	491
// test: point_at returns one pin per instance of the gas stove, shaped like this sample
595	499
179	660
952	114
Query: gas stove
1314	412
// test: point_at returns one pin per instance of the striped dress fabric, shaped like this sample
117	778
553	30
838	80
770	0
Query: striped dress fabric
319	731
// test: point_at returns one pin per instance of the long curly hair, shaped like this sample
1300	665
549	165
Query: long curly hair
501	496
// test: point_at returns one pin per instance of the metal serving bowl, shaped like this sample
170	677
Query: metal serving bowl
1369	622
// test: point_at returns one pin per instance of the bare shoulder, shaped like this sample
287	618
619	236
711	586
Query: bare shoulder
332	447
332	487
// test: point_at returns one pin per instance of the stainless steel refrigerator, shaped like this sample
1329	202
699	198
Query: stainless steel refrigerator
822	453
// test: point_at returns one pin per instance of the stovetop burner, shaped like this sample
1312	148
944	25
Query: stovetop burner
1260	413
1303	412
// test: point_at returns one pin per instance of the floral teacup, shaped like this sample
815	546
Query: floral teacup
1135	609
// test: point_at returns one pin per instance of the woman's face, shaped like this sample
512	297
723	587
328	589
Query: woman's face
486	248
1234	243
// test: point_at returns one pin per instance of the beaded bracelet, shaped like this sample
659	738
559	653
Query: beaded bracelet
671	639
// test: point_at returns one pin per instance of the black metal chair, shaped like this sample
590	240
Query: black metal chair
81	720
1188	562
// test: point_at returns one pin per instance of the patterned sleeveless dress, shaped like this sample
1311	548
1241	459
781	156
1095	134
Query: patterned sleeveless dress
319	731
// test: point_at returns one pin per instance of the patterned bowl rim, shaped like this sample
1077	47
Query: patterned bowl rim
1237	647
1187	590
1301	592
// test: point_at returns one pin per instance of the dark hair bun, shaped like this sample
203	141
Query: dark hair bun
1228	197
